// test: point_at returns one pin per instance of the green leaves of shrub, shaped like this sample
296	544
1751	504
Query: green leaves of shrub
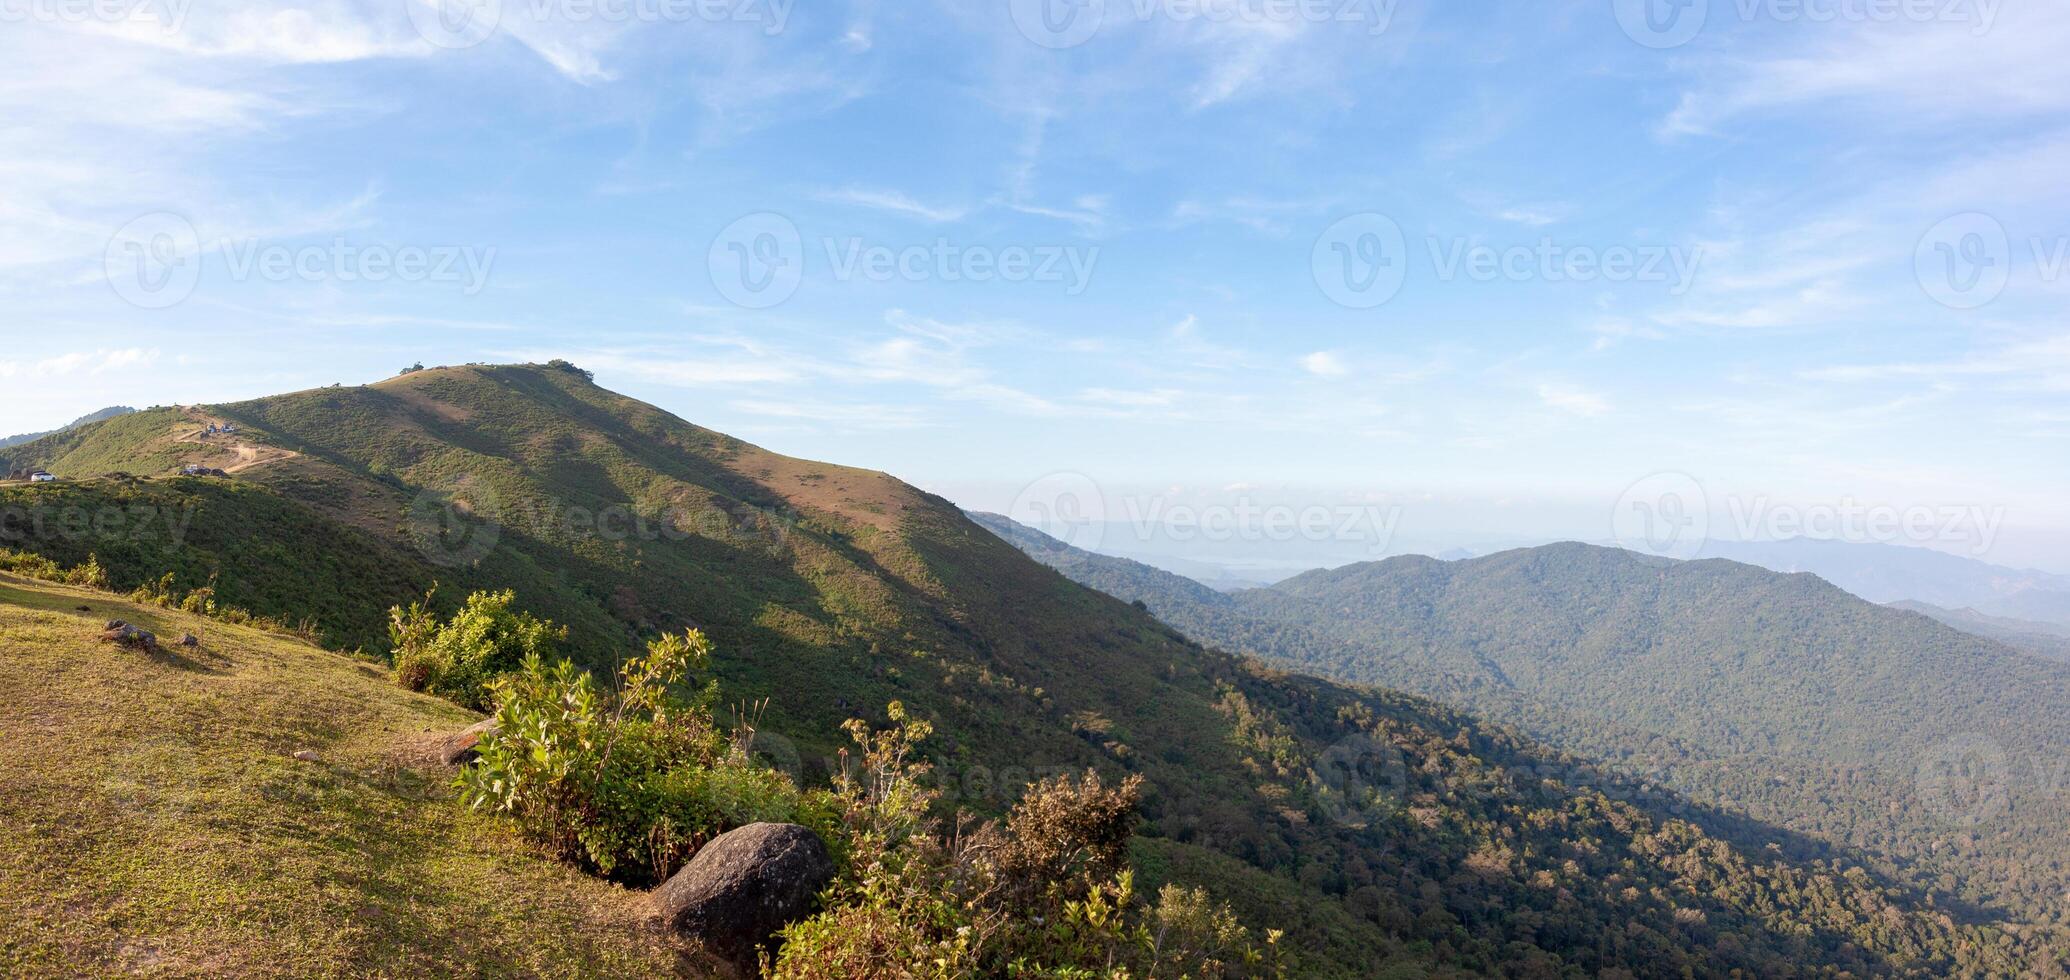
460	659
626	783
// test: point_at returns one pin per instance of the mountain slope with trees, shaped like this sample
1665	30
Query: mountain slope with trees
1387	834
1865	729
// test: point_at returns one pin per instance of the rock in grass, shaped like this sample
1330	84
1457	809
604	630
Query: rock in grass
189	640
123	634
744	886
465	747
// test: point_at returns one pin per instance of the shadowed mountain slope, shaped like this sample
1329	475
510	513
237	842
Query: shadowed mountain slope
1778	697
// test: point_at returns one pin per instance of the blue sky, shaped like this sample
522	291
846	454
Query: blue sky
1490	264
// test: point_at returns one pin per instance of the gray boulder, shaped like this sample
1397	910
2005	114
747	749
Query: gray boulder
744	886
123	634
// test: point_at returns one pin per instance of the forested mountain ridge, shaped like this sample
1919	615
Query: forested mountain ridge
1778	697
1388	834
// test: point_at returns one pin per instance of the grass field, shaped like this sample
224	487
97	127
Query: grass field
154	820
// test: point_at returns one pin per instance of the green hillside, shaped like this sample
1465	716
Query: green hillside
1389	835
106	413
154	820
1778	697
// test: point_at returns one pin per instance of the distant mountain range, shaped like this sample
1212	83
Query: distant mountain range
1887	573
106	413
1880	573
1776	695
2049	640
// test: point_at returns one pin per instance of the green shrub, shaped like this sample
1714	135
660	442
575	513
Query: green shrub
1046	893
629	784
460	659
158	593
31	565
90	574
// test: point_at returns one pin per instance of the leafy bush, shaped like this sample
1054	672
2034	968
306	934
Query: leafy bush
460	659
31	565
627	784
561	365
89	574
1046	893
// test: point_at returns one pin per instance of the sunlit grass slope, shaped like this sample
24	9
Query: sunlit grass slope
154	819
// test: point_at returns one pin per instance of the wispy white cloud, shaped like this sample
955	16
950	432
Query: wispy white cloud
863	415
893	201
1326	364
1573	400
2042	363
1902	73
83	362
